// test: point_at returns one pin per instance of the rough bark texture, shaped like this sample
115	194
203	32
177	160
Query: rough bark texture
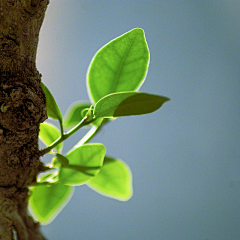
22	108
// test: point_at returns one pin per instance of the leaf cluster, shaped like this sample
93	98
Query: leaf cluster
114	77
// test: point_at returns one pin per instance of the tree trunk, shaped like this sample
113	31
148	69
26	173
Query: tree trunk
22	108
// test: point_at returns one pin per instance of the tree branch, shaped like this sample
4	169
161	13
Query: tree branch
22	109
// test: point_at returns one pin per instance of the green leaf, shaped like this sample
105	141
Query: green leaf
48	134
63	160
48	176
127	104
121	65
46	202
84	163
59	161
74	114
114	180
52	107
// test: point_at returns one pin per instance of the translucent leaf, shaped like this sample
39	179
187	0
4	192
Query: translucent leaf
121	65
74	114
48	176
46	202
48	134
84	163
63	160
114	180
127	104
52	107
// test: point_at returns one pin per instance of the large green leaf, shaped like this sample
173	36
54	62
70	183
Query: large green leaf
84	163
121	65
46	202
114	180
48	134
74	113
127	104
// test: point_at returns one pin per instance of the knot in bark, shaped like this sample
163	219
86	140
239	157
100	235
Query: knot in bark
22	105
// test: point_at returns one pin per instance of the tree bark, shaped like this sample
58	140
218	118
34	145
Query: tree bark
22	109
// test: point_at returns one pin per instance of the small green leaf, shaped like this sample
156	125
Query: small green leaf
48	134
74	114
127	104
48	176
121	65
84	163
52	107
114	180
46	202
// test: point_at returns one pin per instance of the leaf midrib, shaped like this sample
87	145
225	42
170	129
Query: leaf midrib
122	63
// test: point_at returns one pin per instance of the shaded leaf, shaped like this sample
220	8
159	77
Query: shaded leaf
114	180
63	160
74	114
46	202
127	104
48	134
84	163
52	107
121	65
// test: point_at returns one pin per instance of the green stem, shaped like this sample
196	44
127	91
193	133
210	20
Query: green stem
91	133
87	136
84	122
61	127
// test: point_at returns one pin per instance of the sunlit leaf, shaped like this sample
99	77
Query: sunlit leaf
48	176
121	65
127	104
48	134
46	202
84	163
53	110
114	180
74	114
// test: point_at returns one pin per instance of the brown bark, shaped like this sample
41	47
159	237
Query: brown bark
22	108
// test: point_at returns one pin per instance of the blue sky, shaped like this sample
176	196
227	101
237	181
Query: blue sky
185	158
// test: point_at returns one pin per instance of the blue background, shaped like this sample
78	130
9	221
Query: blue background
185	158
